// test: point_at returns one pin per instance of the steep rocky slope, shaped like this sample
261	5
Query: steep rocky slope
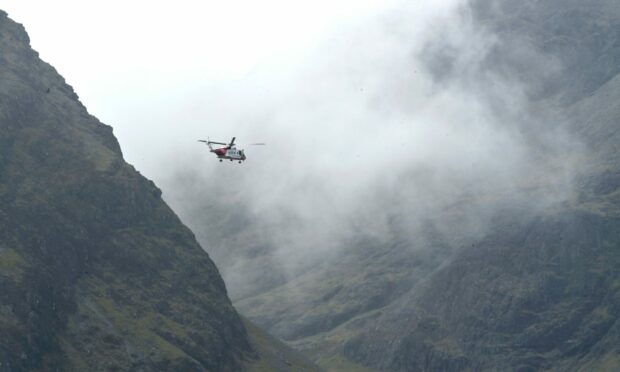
96	271
533	296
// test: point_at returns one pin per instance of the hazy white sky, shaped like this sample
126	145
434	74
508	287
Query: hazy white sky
215	39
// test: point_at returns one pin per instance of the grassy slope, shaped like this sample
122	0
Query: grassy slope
274	355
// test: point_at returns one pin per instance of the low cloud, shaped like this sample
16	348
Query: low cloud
392	122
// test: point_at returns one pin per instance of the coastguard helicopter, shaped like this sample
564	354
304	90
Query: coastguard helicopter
229	151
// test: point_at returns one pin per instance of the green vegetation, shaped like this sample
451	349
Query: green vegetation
12	265
273	354
606	205
338	363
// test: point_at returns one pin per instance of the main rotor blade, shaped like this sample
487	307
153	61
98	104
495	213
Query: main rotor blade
256	144
232	142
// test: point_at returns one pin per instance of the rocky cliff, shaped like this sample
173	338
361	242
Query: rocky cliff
96	271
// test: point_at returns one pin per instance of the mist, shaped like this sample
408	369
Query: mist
380	118
390	123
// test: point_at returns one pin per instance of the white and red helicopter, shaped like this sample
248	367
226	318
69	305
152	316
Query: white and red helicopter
229	151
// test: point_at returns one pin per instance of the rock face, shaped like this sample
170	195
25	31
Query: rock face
542	295
96	272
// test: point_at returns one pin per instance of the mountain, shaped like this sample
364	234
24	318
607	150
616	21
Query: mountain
538	288
540	295
541	292
96	271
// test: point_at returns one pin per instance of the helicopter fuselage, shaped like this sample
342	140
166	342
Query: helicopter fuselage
229	153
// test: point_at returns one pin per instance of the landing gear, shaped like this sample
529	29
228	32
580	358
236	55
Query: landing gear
220	160
239	161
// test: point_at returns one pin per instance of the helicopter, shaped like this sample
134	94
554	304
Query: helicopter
229	151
